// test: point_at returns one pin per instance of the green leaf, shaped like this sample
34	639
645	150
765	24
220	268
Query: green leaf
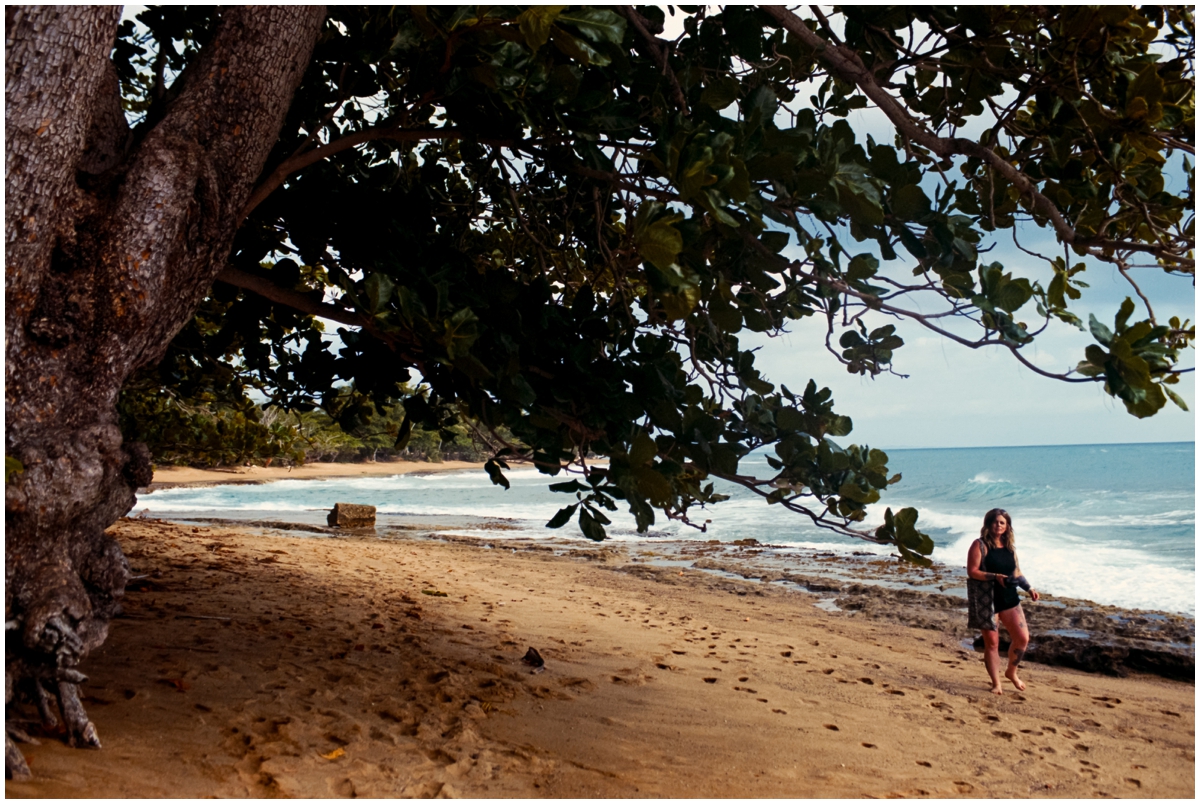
789	419
1144	95
461	331
562	517
404	434
720	92
378	288
910	202
597	24
570	487
863	266
590	526
1176	398
643	450
654	486
775	241
900	529
535	24
12	467
497	476
1126	310
1100	332
655	235
578	49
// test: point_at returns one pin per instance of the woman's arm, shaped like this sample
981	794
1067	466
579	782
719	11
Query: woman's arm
973	571
1021	581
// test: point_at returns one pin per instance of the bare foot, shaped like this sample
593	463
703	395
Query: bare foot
997	690
1011	675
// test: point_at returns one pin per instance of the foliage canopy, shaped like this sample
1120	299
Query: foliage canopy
563	220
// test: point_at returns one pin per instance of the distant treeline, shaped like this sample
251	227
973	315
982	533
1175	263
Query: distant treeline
215	431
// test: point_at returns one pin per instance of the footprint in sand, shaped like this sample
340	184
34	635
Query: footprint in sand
869	681
895	692
1007	735
1134	782
868	745
710	681
924	764
832	727
1169	712
964	787
779	711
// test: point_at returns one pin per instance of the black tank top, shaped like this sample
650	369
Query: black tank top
1001	561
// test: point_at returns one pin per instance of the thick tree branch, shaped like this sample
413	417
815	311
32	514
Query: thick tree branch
846	65
307	304
300	302
658	50
301	161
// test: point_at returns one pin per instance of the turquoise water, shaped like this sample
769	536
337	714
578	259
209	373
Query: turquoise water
1110	523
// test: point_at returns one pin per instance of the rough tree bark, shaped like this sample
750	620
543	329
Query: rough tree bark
111	245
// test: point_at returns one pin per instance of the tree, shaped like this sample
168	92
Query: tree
561	220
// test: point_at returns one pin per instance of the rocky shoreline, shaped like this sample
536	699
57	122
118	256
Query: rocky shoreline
1064	632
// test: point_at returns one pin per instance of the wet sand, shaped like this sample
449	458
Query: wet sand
269	664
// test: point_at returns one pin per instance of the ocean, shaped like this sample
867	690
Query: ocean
1110	523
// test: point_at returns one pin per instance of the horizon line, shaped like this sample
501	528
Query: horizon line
1034	446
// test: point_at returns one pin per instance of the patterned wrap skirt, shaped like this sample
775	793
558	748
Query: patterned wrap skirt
981	611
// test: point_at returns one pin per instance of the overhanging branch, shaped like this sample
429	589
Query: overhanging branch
301	161
300	302
846	65
658	51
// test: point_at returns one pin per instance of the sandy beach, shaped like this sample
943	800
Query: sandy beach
259	663
168	476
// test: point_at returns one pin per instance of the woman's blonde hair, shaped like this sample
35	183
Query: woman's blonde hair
985	534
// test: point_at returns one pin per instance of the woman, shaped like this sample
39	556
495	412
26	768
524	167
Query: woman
994	577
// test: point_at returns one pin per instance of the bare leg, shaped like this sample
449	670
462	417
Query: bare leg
1018	633
991	658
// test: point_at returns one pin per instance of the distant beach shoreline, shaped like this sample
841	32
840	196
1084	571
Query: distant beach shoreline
166	477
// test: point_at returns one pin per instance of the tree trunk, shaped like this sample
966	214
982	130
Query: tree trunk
111	245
